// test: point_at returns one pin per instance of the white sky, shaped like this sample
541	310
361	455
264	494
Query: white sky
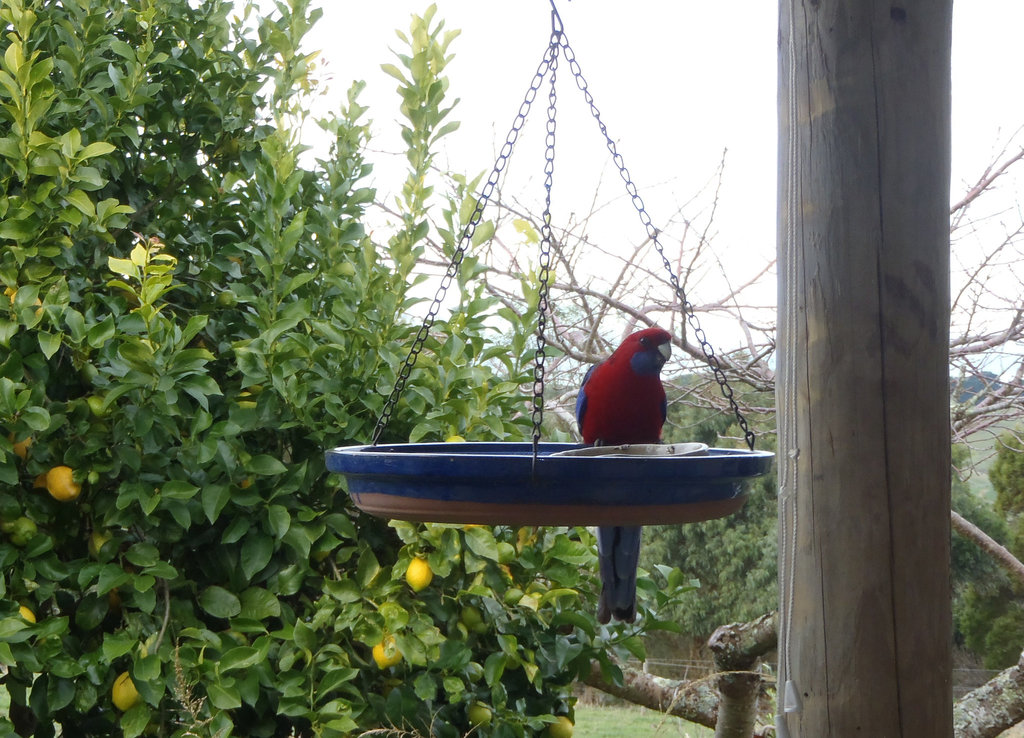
670	127
677	83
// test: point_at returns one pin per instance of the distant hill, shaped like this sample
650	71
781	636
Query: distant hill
973	386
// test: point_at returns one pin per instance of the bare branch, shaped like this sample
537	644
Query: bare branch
993	548
988	178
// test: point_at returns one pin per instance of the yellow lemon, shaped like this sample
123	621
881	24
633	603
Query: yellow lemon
20	531
97	539
455	439
27	614
21	447
473	619
561	729
418	574
61	485
386	653
97	405
124	694
479	714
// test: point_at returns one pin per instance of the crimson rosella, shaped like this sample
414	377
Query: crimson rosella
622	401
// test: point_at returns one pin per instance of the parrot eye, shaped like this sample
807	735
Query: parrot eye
644	341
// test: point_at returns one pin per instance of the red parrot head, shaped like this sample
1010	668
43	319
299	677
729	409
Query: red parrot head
648	350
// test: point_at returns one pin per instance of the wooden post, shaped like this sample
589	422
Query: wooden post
863	385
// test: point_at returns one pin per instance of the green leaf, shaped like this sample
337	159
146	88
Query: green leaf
222	697
425	687
177	489
116	645
122	266
304	636
483	232
279	519
100	333
494	667
143	554
36	418
481	541
75	322
395	72
162	570
97	148
49	343
214	498
111	576
265	465
17	230
343	591
80	200
219	602
635	645
367	569
10	148
135	720
256	552
12	627
240	657
259	604
395	616
335	678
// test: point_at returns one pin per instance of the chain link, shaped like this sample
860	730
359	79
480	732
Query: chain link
652	233
546	63
540	355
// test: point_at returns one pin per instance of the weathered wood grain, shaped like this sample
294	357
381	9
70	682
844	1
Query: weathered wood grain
863	395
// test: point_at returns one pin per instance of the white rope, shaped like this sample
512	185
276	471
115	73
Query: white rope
788	700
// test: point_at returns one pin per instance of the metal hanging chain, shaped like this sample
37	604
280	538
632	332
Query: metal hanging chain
652	232
540	355
546	63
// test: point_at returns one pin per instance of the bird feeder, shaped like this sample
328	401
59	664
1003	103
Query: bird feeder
539	483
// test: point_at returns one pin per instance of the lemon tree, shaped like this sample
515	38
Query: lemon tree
194	312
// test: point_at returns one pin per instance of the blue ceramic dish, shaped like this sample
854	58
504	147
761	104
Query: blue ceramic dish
498	484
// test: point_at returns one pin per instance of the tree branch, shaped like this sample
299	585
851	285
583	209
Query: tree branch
993	707
999	553
695	700
733	698
989	176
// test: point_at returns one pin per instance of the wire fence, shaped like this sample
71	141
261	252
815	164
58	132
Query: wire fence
964	679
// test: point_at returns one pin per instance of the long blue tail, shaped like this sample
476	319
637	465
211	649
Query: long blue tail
618	551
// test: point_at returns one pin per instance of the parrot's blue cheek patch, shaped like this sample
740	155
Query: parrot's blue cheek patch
647	363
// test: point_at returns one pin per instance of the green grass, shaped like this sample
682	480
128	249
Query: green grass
594	721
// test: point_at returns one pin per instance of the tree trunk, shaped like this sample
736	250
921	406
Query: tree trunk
736	649
863	395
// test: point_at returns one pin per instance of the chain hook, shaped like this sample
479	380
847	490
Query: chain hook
556	21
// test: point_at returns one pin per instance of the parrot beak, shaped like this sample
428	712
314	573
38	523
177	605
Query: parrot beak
664	351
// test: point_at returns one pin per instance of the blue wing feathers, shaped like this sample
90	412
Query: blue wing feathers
581	399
